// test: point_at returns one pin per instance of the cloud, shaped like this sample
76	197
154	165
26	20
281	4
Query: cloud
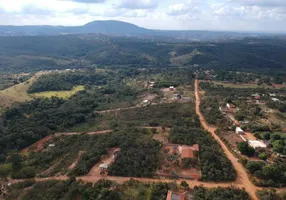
189	7
138	4
261	3
87	1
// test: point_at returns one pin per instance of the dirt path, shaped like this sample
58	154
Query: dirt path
242	176
106	159
117	109
76	161
81	133
38	146
127	108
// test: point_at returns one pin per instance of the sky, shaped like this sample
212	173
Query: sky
234	15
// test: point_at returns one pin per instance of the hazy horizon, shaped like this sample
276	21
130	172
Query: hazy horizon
213	15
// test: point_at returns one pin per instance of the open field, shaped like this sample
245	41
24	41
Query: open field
60	94
18	93
240	85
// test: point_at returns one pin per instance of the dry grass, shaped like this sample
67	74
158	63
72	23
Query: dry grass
18	93
60	94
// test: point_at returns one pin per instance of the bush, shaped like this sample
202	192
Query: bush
245	149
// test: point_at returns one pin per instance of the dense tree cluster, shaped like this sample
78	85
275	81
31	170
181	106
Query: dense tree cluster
108	190
66	81
210	108
167	115
268	174
26	123
245	149
231	193
219	90
281	106
213	163
141	155
270	195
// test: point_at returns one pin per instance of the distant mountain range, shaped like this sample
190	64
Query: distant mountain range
118	28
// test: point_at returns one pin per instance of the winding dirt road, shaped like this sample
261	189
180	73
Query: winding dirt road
242	176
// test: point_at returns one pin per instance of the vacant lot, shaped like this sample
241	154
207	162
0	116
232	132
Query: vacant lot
60	94
241	85
17	93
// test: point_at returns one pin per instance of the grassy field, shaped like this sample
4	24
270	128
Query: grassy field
60	94
241	85
17	93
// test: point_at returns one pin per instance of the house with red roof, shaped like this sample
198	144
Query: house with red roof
176	196
188	151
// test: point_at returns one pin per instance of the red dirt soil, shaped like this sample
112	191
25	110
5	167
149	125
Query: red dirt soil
106	159
76	160
242	176
38	146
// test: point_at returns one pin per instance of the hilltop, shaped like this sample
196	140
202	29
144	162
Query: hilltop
119	28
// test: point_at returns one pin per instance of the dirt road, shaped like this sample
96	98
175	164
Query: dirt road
242	176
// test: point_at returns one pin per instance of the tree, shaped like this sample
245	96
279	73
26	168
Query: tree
184	184
245	149
254	166
5	170
16	161
263	156
267	195
278	146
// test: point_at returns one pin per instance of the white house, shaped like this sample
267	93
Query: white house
103	166
257	144
275	99
238	130
172	88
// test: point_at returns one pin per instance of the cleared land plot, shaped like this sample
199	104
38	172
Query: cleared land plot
76	154
107	159
274	116
60	94
171	165
18	93
158	115
240	85
232	138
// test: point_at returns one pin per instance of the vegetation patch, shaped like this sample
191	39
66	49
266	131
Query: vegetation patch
59	94
213	163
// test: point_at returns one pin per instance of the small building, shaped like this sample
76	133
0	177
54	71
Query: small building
103	166
239	131
244	122
146	102
172	88
230	106
176	196
257	144
275	99
272	95
188	151
256	96
52	145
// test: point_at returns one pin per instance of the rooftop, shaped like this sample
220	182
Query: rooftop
257	143
188	151
175	196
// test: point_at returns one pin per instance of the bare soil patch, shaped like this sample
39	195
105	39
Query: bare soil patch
76	161
232	138
105	159
38	146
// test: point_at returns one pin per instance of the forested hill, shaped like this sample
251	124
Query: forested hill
118	28
34	53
